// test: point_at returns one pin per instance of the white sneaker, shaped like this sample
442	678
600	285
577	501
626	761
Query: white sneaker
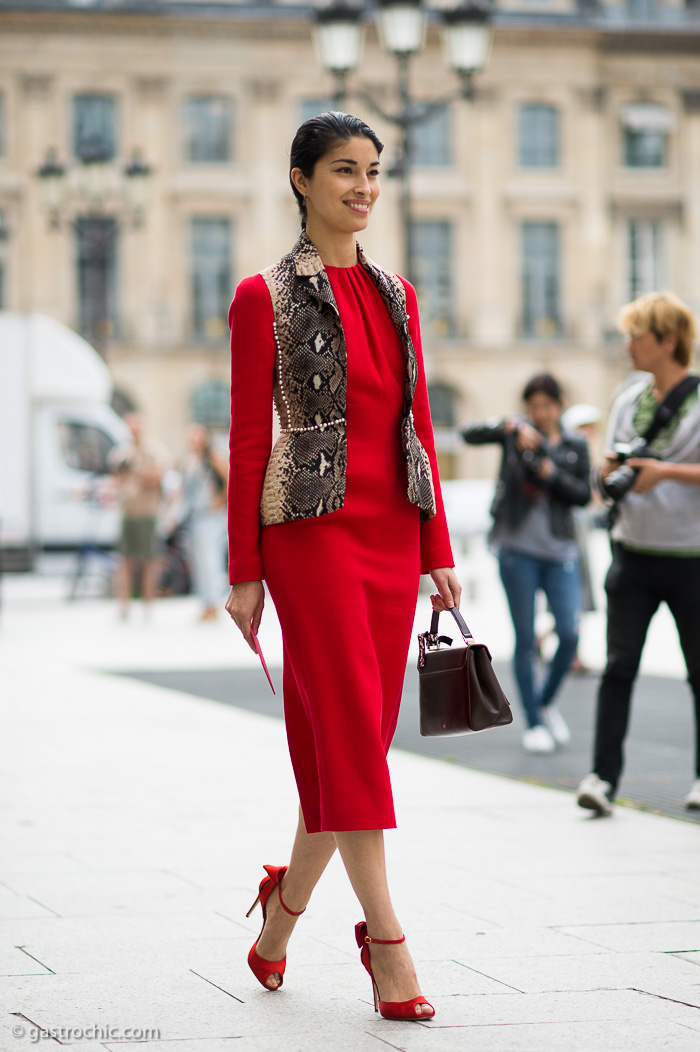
538	739
594	794
556	724
692	800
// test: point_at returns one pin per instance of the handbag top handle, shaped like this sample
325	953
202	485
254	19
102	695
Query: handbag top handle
461	623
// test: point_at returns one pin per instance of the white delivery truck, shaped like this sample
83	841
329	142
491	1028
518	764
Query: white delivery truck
56	431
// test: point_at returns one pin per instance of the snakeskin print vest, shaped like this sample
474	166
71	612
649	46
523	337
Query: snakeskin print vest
305	474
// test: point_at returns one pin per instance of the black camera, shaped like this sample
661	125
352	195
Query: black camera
532	459
620	481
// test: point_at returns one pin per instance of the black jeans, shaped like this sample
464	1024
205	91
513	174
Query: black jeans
636	585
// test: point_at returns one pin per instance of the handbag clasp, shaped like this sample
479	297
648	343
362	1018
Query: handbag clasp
430	641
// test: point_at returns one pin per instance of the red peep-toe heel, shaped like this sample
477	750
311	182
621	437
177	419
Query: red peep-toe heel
262	969
389	1009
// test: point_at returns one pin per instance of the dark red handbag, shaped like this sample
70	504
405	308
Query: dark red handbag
458	689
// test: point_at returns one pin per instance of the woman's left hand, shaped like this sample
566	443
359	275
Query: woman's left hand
449	589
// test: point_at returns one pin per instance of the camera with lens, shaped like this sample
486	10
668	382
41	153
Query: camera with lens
533	459
620	481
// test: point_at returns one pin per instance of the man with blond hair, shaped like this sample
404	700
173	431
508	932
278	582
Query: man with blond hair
651	474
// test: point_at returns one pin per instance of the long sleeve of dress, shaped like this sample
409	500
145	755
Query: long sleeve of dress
252	373
435	547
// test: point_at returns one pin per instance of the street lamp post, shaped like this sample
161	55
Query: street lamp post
402	24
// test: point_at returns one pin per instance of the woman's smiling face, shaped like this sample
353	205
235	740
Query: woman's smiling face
343	188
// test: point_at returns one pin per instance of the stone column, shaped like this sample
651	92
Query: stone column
44	260
258	237
494	317
146	250
691	201
594	236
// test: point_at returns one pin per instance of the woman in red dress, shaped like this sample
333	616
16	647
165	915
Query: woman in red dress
339	519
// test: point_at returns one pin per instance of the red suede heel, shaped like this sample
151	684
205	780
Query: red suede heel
262	969
389	1009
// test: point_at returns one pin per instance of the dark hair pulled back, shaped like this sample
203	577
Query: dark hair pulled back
314	139
544	383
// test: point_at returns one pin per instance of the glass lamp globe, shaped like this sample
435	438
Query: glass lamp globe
467	36
402	25
338	36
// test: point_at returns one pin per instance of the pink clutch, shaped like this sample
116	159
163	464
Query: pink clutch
259	652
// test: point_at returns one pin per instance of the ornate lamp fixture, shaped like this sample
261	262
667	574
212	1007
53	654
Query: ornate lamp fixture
99	183
339	27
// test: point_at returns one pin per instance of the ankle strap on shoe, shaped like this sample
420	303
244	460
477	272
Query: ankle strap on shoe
292	913
386	942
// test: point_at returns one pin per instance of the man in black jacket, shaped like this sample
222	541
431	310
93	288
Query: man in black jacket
544	473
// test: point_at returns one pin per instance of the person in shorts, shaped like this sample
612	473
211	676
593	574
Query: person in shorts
138	467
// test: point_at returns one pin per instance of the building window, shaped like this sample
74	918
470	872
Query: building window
538	136
645	131
431	244
208	121
211	404
641	9
644	148
443	400
97	277
431	140
309	108
210	269
644	256
443	404
540	279
95	127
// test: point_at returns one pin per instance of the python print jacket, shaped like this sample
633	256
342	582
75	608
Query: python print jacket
305	475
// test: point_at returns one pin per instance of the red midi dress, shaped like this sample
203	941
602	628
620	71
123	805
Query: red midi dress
344	584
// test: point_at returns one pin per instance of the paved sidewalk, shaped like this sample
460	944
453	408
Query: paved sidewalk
135	821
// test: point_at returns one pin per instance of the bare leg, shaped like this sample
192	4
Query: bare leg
362	852
125	574
310	856
149	579
363	856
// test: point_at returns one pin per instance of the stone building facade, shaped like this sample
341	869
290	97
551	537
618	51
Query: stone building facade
570	183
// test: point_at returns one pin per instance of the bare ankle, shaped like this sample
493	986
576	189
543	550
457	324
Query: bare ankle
384	930
291	897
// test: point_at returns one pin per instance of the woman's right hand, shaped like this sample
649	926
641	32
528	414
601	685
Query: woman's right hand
245	605
528	437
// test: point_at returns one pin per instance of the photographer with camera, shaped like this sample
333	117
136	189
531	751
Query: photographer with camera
651	479
544	473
